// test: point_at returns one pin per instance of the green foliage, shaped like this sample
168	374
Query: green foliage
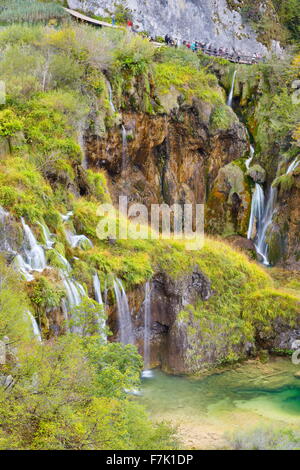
45	294
222	118
134	55
189	81
289	15
13	319
87	318
29	11
9	123
265	438
58	402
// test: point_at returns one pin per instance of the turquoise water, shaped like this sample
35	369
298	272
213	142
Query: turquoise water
249	395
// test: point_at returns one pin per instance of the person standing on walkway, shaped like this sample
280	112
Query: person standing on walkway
113	20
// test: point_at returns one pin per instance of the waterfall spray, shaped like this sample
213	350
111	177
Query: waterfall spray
124	315
98	298
147	373
35	256
230	97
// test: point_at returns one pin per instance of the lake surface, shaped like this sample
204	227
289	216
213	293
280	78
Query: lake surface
209	408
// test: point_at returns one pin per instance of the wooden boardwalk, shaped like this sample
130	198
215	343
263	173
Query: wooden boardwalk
87	19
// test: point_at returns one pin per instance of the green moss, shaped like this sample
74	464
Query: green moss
222	118
45	293
188	81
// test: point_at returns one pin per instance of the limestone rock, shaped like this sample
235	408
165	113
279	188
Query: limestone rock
257	173
229	202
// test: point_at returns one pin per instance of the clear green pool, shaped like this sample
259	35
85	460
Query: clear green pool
206	408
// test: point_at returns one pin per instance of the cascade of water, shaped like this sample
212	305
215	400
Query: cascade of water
147	331
249	161
25	269
35	328
257	209
124	148
47	236
97	289
98	297
66	217
110	97
35	255
75	292
78	241
4	241
230	97
292	166
64	262
261	245
124	314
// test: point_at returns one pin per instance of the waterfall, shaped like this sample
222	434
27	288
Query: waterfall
230	97
147	331
35	255
292	166
25	269
98	298
261	245
97	289
257	209
34	325
124	148
47	236
75	292
4	241
124	314
249	161
78	241
66	217
110	97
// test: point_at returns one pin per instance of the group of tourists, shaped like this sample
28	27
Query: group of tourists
208	49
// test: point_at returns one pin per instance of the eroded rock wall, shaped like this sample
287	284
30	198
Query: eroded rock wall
211	21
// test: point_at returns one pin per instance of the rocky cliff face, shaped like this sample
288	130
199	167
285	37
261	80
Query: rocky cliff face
204	20
171	158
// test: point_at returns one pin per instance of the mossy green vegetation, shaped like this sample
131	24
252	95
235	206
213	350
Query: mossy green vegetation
181	69
69	394
244	302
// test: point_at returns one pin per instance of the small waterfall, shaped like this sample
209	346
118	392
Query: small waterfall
124	314
124	148
21	266
64	262
47	236
97	289
75	292
230	97
4	230
66	217
147	373
257	209
292	166
110	97
261	245
249	161
35	328
78	241
98	298
35	255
